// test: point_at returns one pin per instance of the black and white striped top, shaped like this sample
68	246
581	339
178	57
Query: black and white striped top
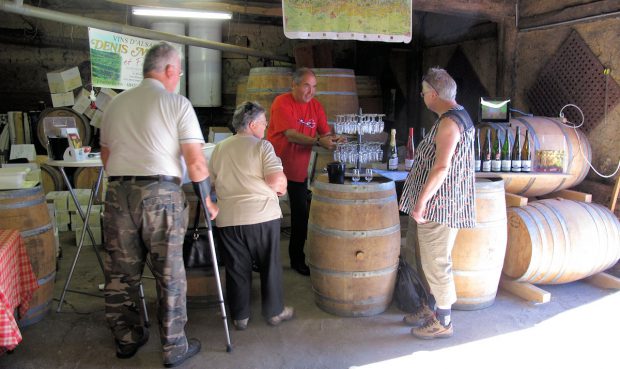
454	202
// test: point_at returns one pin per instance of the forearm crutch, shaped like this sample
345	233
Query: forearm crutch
216	271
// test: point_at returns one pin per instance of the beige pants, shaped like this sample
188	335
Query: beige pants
434	253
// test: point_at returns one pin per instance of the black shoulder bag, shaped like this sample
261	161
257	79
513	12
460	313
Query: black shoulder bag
196	253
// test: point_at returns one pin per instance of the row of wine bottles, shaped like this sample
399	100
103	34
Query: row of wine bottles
498	156
393	151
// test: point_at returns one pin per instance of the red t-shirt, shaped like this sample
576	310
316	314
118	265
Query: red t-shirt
306	118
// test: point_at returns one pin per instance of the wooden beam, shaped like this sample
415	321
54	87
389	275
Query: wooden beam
526	291
506	56
570	195
266	10
479	31
515	200
482	9
575	13
604	280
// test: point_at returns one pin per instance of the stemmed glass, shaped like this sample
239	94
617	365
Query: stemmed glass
368	175
356	175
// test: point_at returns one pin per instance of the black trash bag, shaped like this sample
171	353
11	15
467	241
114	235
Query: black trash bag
409	293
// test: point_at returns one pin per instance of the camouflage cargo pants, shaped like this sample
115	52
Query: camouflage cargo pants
145	219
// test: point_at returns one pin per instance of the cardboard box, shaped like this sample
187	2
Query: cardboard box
87	242
82	103
217	134
60	199
95	121
104	97
83	195
64	80
63	219
94	219
63	99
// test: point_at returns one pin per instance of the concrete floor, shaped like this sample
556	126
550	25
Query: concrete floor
578	328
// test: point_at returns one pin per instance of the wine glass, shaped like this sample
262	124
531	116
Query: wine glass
368	174
356	175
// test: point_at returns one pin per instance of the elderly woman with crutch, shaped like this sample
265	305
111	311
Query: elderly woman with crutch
248	178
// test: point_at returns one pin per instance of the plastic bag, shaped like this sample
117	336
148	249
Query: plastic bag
409	292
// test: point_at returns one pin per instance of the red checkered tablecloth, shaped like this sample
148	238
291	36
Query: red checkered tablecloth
17	284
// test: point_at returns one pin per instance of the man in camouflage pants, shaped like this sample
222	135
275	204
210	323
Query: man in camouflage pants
145	131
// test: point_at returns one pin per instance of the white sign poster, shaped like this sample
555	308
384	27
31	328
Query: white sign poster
116	60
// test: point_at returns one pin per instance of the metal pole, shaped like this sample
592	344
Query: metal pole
51	15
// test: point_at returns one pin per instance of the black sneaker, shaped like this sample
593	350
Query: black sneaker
193	347
130	349
301	269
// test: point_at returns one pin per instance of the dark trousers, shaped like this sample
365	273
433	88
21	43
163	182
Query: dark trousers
242	245
298	200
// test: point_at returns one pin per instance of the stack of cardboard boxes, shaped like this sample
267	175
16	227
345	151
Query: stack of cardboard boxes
68	218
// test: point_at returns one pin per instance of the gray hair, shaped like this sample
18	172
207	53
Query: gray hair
158	56
300	73
245	113
441	82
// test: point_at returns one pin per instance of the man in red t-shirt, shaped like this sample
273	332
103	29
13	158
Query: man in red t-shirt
297	123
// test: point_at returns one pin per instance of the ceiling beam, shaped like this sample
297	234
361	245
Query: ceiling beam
571	14
482	9
265	10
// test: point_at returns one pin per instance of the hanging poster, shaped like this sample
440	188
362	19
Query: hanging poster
363	20
116	60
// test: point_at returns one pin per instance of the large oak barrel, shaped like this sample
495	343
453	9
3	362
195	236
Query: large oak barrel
353	246
336	91
265	83
556	241
478	253
26	210
81	123
51	179
369	94
242	86
547	134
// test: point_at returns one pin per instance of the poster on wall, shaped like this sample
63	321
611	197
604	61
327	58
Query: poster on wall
116	60
363	20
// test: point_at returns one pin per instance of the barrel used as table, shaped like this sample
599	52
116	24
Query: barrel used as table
478	253
557	241
353	246
546	134
26	211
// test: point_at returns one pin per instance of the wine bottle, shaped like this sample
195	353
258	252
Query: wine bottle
515	157
506	153
393	152
526	159
486	153
477	151
496	154
410	150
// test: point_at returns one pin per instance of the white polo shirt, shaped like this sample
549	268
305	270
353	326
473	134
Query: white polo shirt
144	127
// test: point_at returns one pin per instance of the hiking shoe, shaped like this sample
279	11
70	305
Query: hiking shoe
432	329
193	347
420	317
125	351
241	324
286	314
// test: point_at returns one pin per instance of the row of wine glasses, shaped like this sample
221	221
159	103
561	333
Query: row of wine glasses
353	153
355	177
359	124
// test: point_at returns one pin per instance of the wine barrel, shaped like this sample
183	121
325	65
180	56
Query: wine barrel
556	241
26	210
369	94
547	134
85	177
265	83
81	123
242	85
336	91
51	179
353	246
478	253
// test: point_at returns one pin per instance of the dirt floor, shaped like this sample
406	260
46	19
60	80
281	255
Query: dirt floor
578	328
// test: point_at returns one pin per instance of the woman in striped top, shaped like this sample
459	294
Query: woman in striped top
439	196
